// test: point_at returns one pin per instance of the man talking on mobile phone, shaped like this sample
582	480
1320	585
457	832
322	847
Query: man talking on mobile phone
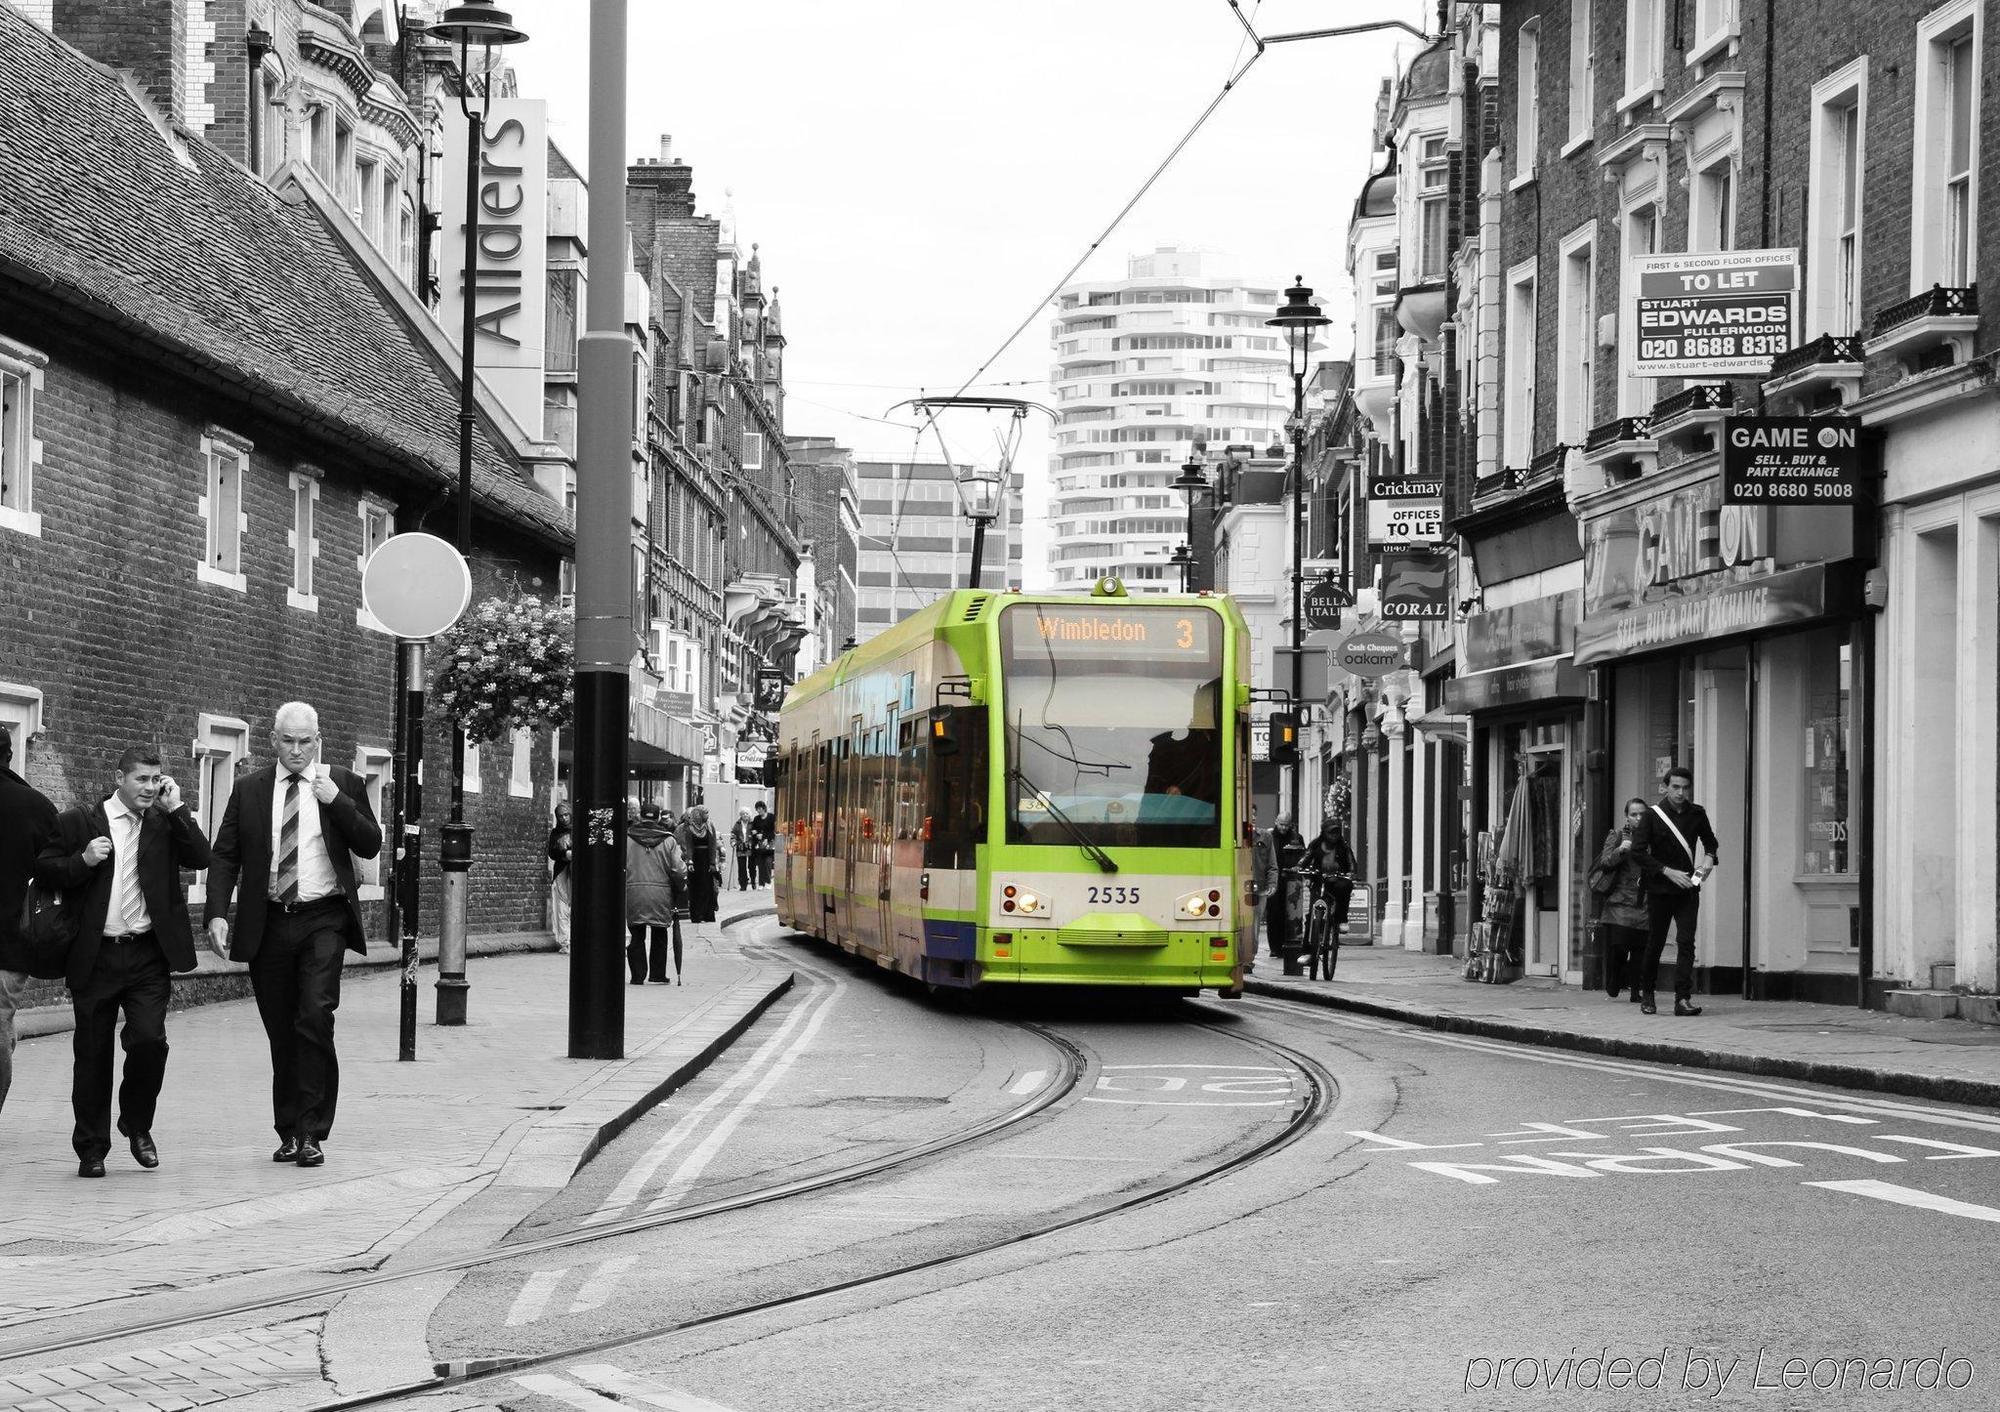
121	858
288	841
1663	845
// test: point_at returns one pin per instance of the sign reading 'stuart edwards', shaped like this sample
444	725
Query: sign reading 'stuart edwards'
1711	312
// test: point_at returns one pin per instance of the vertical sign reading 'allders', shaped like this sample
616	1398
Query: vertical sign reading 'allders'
510	295
1719	312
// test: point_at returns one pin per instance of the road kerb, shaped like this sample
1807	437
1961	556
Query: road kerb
1938	1088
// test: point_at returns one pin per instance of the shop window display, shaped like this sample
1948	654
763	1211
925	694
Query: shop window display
1827	746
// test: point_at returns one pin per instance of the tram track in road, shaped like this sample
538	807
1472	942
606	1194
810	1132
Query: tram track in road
1320	1096
1066	1073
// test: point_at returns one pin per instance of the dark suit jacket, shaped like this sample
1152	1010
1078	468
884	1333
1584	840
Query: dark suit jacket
167	844
26	821
243	853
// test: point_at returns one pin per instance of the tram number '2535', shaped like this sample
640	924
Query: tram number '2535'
1114	896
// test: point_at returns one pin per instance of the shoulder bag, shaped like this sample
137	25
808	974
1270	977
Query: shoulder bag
48	930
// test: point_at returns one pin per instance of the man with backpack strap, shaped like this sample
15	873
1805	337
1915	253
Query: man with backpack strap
1663	846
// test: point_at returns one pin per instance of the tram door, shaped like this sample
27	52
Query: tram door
852	801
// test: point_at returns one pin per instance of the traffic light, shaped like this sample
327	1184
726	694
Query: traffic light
1284	738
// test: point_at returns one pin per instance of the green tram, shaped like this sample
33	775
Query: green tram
1028	788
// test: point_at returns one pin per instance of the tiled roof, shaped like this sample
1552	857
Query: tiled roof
194	254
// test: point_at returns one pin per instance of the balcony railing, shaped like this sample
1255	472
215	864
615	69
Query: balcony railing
1548	465
1696	397
1939	301
1827	348
1616	431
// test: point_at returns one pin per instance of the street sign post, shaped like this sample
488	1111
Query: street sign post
416	586
1790	460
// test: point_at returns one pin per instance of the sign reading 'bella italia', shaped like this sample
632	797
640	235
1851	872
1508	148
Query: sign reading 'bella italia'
509	294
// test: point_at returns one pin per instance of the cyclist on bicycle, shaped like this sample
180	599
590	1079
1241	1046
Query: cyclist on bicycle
1283	913
1332	863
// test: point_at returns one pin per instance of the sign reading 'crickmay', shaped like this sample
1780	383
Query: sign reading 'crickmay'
1719	311
509	295
1405	510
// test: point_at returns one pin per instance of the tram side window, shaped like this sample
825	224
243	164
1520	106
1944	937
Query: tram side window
955	801
822	799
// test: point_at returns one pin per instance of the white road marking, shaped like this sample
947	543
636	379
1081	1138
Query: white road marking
1794	1112
601	1285
1951	1151
1910	1196
549	1385
686	1174
1029	1081
625	1385
534	1297
1189	1103
633	1184
1628	1068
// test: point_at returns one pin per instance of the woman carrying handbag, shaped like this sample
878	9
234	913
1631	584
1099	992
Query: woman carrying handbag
1620	886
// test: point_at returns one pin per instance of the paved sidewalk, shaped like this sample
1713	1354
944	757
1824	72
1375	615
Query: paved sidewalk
492	1105
1944	1060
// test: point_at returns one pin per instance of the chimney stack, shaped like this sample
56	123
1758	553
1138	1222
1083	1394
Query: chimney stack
146	39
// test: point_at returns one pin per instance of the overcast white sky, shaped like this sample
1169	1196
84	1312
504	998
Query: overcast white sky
918	176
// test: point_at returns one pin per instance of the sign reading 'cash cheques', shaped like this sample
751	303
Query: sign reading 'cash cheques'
1716	312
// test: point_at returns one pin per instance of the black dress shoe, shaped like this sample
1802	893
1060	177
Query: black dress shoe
1648	1008
90	1167
309	1153
1682	1008
288	1151
143	1150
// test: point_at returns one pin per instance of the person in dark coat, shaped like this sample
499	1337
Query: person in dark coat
1332	859
27	819
285	854
1664	843
763	844
1621	917
1286	903
655	878
701	849
122	859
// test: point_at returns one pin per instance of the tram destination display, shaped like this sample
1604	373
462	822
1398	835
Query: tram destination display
1719	312
1113	634
1790	460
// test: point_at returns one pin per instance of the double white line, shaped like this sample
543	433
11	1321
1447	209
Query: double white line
609	1389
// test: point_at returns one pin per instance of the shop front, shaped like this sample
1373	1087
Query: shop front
1526	699
1721	640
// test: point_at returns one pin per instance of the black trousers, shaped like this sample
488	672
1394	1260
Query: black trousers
760	867
742	870
1624	955
296	977
1676	910
131	976
635	950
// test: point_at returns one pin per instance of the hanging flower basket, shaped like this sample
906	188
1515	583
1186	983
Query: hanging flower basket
508	664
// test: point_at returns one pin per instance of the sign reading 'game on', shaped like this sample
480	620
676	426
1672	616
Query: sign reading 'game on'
1790	460
1722	311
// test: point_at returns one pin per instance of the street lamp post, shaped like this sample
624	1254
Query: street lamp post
1298	319
979	495
483	27
1192	481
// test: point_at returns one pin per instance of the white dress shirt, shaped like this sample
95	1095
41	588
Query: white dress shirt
316	876
125	829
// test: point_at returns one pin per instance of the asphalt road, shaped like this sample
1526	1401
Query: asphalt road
1470	1223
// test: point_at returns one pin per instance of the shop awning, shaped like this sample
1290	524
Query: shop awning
1442	721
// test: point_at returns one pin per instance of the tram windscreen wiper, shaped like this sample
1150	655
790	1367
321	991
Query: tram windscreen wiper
1097	855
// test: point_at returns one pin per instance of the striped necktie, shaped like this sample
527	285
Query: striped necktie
131	907
288	844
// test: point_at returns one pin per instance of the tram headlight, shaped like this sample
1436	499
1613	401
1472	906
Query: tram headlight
1195	904
1028	902
1021	900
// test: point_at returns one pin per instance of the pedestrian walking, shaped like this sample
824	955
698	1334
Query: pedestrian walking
286	853
740	845
559	880
121	860
1663	842
1622	925
701	849
763	844
27	819
1264	879
655	880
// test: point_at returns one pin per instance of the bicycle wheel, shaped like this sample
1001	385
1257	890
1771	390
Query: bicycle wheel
1316	941
1332	930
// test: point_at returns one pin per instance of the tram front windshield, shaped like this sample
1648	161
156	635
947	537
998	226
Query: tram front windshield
1114	724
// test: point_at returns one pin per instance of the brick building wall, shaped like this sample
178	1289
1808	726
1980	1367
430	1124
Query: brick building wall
147	39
